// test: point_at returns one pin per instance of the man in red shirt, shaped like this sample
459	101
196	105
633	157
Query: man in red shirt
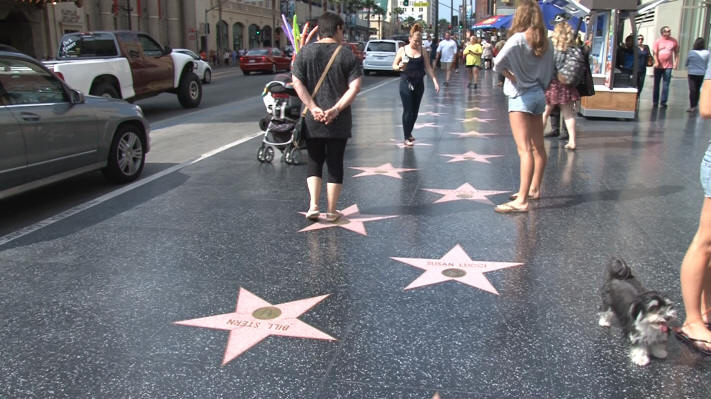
666	58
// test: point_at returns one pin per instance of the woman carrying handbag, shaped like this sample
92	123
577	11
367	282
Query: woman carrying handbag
328	122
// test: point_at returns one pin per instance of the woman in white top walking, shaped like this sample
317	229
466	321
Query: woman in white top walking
526	60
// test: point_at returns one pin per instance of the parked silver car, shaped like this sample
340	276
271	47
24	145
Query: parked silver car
50	132
380	54
204	70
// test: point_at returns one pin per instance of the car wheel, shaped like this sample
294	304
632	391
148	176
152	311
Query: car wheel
274	68
127	155
190	91
366	72
105	89
207	77
245	72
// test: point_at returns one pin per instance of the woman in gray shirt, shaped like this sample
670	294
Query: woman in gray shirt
329	120
526	61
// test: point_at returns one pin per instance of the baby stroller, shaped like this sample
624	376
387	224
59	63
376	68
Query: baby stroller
283	108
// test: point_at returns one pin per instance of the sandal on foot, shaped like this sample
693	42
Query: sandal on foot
508	208
570	147
530	197
312	214
699	345
409	143
333	217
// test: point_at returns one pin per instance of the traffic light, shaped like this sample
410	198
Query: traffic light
449	27
406	2
258	32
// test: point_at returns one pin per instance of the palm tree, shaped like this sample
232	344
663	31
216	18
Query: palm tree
396	13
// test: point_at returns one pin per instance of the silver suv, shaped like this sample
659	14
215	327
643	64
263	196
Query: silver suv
380	54
50	132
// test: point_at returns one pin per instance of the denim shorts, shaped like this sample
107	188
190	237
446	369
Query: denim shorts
706	172
532	101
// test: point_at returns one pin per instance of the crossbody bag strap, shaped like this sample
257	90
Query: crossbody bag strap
323	76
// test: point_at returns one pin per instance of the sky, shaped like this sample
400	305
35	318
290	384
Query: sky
444	9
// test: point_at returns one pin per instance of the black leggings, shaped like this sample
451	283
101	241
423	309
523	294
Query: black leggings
329	150
695	82
410	103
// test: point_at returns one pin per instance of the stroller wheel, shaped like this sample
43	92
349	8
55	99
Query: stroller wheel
293	156
287	155
261	153
268	154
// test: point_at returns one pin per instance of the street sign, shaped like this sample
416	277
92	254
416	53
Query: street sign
421	4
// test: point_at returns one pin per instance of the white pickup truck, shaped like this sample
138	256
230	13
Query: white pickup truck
127	65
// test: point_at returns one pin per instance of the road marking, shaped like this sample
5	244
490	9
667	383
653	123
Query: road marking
97	201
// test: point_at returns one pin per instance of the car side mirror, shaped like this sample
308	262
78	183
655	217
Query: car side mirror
77	97
167	50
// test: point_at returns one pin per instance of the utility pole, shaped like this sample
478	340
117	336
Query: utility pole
436	18
128	13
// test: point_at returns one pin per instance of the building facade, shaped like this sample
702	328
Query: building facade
35	28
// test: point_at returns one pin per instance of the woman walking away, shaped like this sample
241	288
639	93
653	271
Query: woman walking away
558	93
695	271
411	60
526	61
642	63
696	63
329	121
473	53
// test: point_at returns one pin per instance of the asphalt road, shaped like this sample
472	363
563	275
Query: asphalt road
230	110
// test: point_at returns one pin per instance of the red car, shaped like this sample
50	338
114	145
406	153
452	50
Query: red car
264	59
357	49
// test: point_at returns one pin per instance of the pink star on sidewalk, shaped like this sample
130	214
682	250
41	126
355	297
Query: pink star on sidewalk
255	319
470	156
351	219
385	169
419	126
478	109
402	145
455	265
474	133
464	192
475	119
430	113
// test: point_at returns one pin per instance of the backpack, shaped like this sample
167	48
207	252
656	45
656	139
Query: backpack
571	72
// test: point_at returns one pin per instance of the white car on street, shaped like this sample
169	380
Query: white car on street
204	70
380	54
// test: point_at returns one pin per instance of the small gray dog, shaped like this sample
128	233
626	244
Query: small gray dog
644	315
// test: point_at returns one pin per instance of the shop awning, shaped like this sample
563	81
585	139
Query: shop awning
495	22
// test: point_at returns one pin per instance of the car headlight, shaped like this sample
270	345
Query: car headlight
138	109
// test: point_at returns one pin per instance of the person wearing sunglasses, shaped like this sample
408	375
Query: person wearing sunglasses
666	57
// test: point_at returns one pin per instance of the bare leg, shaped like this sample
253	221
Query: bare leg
546	114
475	71
694	269
333	191
540	158
448	72
314	185
528	132
569	117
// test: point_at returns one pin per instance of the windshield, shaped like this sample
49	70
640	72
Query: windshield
258	52
77	45
381	46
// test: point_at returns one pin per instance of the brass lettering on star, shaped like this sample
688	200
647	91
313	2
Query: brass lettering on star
464	196
243	323
266	313
454	273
